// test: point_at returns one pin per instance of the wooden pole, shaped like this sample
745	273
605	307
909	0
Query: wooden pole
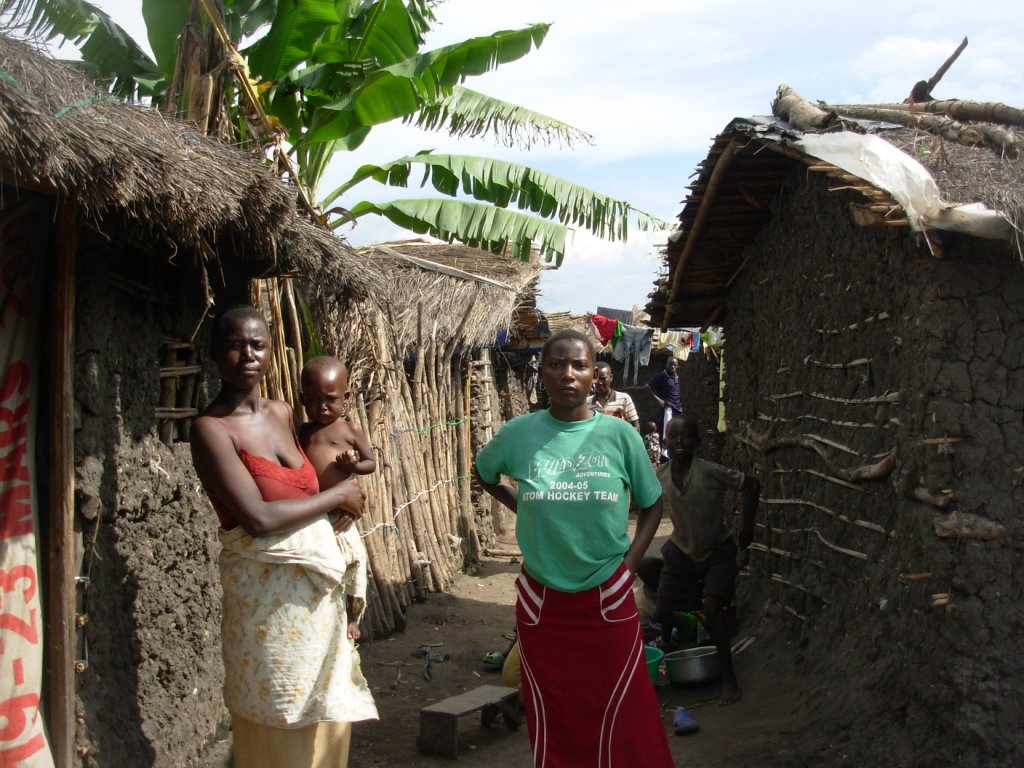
721	167
934	79
59	675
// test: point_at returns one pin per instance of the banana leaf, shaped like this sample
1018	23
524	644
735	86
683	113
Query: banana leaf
475	224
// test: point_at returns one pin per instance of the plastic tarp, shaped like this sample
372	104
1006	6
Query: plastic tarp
911	185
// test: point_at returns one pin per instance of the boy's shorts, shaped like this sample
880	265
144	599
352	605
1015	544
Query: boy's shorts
684	582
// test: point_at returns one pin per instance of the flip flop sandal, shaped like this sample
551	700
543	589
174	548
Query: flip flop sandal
494	659
684	722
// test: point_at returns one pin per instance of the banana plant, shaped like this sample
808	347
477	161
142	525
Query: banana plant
326	72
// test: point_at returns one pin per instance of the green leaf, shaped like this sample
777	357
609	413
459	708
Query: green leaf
297	27
106	48
389	36
71	19
402	89
248	16
475	224
315	348
468	113
504	184
164	20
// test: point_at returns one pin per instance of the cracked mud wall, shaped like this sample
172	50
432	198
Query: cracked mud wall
151	693
854	352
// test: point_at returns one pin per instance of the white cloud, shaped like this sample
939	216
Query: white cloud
598	273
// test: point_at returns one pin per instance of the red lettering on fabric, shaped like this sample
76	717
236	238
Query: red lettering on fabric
18	375
16	493
14	622
16	511
13	711
15	755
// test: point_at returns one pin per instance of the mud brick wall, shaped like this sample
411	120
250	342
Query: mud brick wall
151	693
878	393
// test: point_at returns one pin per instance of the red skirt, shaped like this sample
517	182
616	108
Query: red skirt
588	698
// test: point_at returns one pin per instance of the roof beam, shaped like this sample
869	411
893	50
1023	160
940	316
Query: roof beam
698	222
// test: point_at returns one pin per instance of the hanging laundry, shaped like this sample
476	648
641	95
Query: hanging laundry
606	329
712	337
678	342
636	347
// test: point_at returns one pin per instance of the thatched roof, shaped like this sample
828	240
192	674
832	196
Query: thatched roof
130	166
971	161
458	292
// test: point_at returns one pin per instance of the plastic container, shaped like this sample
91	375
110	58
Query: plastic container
653	656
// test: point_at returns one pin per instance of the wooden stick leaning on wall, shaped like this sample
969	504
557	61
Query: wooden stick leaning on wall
765	444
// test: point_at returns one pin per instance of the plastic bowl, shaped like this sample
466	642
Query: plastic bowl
693	665
654	657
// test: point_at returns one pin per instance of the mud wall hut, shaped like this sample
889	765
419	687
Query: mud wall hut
873	382
118	230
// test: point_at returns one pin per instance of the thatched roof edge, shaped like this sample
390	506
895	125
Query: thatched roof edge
132	164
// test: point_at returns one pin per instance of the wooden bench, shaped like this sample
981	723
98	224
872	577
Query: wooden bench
439	722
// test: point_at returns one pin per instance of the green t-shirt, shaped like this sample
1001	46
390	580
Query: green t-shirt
575	481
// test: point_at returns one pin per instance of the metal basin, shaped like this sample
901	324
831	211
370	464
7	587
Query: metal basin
693	665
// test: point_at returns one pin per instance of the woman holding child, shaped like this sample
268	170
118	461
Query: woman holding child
286	660
586	692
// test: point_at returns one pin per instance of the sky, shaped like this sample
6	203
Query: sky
654	81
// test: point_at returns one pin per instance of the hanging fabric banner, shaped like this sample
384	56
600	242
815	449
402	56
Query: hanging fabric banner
22	737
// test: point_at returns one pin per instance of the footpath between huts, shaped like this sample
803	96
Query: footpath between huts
766	728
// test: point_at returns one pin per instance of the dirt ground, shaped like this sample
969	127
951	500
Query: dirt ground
473	618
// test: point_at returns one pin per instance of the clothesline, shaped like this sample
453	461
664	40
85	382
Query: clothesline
404	505
640	339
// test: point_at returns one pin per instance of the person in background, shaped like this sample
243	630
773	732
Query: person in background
664	385
586	692
652	442
283	623
646	594
338	449
700	557
609	401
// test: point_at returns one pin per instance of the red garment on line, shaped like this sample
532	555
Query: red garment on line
605	327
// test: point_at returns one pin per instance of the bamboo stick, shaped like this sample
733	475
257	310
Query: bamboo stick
842	550
777	578
293	324
836	515
758	547
187	392
168	395
862	361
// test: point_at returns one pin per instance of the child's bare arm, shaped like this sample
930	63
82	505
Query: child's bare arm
361	445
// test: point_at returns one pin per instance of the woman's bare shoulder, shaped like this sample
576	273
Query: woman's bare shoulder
279	409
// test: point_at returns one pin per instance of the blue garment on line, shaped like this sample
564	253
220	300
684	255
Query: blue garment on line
634	346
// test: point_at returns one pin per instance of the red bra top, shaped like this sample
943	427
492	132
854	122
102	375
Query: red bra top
276	482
